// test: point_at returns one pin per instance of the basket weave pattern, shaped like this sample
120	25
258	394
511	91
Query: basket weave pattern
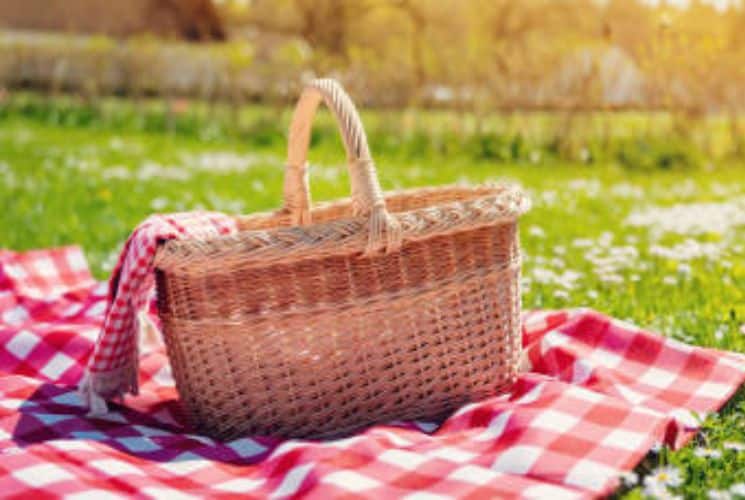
315	322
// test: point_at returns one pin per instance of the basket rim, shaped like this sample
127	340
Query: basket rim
484	205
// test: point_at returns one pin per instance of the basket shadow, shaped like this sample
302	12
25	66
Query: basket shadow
54	415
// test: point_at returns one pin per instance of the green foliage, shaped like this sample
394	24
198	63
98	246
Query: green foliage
499	148
536	140
660	153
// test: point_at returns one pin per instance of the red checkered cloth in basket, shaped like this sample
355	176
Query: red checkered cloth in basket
112	369
599	394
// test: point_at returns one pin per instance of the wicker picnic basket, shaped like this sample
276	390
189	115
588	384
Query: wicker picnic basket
318	322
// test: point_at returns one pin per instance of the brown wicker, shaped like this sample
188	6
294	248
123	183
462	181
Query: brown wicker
382	308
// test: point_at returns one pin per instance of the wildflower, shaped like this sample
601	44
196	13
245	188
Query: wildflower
684	269
612	279
224	162
660	479
626	190
742	328
549	197
720	495
543	275
104	194
537	232
116	172
738	489
688	250
159	204
670	280
557	262
692	218
582	243
707	453
592	294
561	294
630	478
151	170
734	445
606	238
720	332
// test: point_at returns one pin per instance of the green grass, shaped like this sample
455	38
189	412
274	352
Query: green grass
90	183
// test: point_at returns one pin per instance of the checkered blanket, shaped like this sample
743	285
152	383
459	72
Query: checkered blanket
599	394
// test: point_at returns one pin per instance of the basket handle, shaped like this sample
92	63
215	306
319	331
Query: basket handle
367	197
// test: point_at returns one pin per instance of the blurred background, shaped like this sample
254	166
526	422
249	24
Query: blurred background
680	62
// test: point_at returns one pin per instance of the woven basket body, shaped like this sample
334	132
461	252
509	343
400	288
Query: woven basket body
311	323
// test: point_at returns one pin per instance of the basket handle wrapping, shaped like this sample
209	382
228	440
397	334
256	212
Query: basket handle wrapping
367	197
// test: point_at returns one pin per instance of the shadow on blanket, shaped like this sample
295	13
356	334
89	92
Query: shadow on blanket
53	415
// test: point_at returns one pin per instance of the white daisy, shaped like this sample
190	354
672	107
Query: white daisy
720	495
684	269
158	204
537	232
734	445
630	478
670	280
738	489
720	332
657	482
707	453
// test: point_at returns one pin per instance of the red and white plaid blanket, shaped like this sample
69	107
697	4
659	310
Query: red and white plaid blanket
599	395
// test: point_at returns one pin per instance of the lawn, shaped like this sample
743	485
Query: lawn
661	248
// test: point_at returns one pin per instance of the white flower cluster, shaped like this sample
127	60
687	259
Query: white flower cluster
566	279
223	162
692	218
589	188
690	249
658	481
627	190
610	261
218	163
